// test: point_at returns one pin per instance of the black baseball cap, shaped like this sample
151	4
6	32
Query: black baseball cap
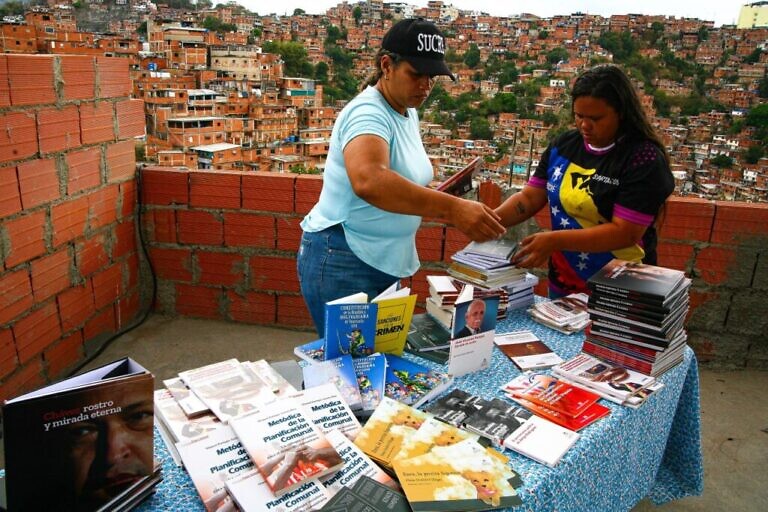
420	43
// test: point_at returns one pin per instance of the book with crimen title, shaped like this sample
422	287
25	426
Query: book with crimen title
211	460
393	318
252	494
41	427
328	410
286	446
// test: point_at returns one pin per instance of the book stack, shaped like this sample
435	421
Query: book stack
506	424
638	313
439	466
558	401
520	293
566	314
487	264
446	293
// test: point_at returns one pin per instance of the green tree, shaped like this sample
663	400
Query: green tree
754	57
762	87
294	57
753	153
502	102
299	12
543	34
556	55
480	128
508	74
142	30
321	72
216	25
472	56
357	13
12	8
722	161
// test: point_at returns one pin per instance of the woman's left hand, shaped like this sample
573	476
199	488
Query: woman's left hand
535	250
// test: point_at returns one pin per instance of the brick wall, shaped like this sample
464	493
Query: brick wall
69	267
223	245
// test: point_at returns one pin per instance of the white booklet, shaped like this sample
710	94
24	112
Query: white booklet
541	440
470	353
526	350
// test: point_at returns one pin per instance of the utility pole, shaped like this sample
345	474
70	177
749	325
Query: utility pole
530	158
512	158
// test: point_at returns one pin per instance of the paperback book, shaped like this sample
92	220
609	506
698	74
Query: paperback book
187	400
575	423
341	373
211	460
552	393
412	383
637	281
286	446
462	477
427	334
526	350
350	326
311	352
251	494
431	434
367	495
181	427
496	419
356	465
328	410
393	319
461	182
455	407
277	383
41	462
371	372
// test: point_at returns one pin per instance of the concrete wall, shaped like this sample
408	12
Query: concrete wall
68	255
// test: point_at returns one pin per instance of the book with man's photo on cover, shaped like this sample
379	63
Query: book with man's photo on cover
60	431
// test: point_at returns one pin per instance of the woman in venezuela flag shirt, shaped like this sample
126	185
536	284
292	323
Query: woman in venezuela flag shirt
605	184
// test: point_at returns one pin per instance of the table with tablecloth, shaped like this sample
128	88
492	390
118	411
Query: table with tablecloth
653	451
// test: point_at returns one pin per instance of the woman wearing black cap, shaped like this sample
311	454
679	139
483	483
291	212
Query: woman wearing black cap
360	236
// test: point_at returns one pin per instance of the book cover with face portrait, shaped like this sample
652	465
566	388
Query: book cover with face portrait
88	437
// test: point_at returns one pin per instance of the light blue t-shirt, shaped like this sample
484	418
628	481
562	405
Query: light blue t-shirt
383	240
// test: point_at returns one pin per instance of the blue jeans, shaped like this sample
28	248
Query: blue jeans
328	270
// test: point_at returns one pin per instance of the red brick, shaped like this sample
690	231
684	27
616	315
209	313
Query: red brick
58	129
164	186
16	297
84	170
429	243
160	225
107	286
96	122
274	273
121	161
31	79
28	378
699	298
419	284
5	88
50	275
455	241
267	191
102	207
221	268
198	301
8	358
91	255
113	77
130	118
292	311
249	230
127	309
125	239
196	227
252	307
687	219
308	188
64	354
173	264
489	194
131	271
543	219
103	323
677	256
26	238
69	220
713	263
288	233
128	198
18	136
36	331
10	200
38	182
78	77
214	189
76	306
739	222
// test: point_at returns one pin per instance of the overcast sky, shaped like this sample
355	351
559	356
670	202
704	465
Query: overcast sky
719	11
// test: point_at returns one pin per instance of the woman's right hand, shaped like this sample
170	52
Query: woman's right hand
476	220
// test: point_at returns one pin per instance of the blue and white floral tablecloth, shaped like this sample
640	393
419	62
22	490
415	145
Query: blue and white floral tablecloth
654	451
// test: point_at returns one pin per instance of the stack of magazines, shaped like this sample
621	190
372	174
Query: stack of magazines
638	313
566	314
487	265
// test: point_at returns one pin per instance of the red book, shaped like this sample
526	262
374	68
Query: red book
552	393
593	413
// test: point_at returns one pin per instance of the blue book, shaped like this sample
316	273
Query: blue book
341	373
311	352
371	372
350	328
412	383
